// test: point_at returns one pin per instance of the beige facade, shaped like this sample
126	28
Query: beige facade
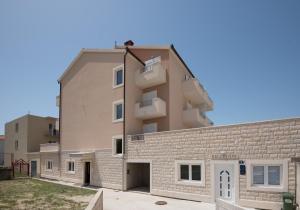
25	134
88	96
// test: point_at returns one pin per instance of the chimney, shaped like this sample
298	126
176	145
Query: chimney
128	43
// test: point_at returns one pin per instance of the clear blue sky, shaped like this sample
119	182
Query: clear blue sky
246	53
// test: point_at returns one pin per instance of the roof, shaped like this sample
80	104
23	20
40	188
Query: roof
2	137
31	115
159	47
82	51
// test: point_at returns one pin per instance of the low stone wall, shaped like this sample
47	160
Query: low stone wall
6	173
222	205
97	202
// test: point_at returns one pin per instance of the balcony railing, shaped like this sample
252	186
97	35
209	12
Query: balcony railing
54	133
196	93
150	109
151	75
195	118
49	147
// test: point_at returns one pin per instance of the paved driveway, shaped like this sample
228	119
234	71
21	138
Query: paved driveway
118	200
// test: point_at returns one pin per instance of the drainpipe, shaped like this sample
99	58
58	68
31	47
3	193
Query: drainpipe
124	120
59	127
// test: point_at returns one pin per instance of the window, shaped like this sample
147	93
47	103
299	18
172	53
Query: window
16	144
71	166
184	172
117	145
49	164
118	111
190	172
196	172
17	127
258	175
267	175
118	76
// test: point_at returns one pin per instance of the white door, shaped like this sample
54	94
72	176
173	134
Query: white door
224	179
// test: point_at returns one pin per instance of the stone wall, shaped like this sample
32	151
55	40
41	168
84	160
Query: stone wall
55	172
262	140
107	170
76	177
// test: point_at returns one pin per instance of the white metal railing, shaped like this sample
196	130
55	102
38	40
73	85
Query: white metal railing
150	64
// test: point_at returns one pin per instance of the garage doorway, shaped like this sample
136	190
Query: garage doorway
138	177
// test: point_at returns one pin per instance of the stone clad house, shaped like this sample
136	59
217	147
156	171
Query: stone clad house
133	117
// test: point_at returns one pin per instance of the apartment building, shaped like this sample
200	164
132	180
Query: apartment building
25	134
133	117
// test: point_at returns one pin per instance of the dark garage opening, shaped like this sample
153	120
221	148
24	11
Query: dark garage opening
138	177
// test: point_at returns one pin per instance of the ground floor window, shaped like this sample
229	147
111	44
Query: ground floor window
49	164
190	172
266	174
71	166
117	145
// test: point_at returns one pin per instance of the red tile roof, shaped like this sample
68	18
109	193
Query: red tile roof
2	137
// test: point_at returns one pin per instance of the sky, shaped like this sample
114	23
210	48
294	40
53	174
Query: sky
245	53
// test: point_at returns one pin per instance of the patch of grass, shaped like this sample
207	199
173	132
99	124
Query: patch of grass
36	194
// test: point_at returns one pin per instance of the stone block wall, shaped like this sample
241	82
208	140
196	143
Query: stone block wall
268	140
55	172
107	170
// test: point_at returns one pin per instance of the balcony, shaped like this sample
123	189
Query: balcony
150	109
52	134
49	147
195	92
150	76
194	118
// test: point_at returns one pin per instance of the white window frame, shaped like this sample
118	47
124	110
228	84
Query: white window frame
114	113
115	69
67	167
46	165
178	180
114	146
283	187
